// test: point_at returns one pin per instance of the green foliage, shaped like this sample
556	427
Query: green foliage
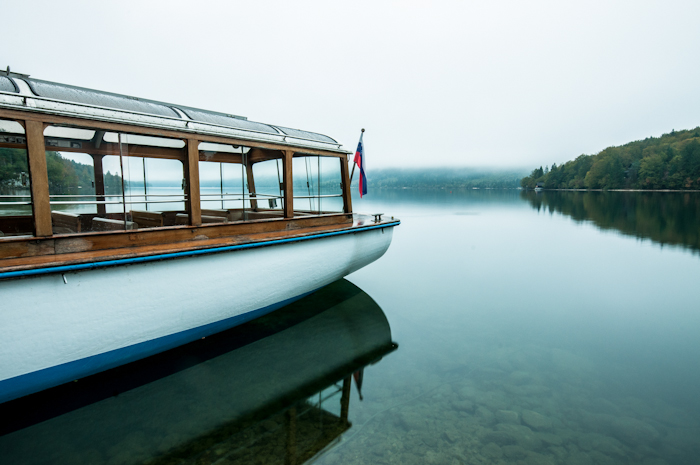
13	162
663	217
671	161
64	175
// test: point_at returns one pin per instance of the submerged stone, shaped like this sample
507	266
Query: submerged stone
522	435
514	452
508	416
492	450
536	421
498	437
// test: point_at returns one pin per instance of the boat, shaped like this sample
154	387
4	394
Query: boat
128	225
284	379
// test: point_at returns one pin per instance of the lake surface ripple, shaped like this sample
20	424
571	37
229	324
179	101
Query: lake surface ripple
549	328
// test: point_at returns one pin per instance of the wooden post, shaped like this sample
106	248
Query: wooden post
194	206
251	185
99	184
345	399
36	151
347	197
288	184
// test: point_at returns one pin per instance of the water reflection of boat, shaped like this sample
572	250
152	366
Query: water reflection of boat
279	386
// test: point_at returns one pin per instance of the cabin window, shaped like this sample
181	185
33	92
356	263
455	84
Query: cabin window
268	190
317	185
16	217
223	183
104	181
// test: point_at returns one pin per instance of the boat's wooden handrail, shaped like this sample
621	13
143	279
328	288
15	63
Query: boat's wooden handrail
68	250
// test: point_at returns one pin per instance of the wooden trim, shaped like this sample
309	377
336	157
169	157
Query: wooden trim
194	206
99	183
39	178
28	253
288	184
109	148
251	185
347	195
136	129
221	157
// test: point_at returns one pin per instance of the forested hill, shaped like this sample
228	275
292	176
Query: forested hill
442	178
671	161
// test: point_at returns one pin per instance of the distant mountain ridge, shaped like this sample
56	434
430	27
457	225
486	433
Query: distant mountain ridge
671	161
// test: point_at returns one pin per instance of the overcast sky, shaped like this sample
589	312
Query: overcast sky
492	83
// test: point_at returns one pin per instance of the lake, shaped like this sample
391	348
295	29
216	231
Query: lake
529	328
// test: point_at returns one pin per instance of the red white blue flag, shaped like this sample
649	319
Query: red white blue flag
360	162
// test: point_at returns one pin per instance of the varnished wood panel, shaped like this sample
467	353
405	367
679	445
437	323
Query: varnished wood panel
194	207
347	197
39	178
288	184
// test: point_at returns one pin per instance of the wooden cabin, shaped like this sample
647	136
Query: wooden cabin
88	175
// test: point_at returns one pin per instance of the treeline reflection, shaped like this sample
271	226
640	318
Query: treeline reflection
668	218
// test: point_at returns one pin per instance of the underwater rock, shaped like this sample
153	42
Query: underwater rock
485	415
522	435
498	437
508	416
536	421
514	452
533	458
550	439
491	450
494	401
605	444
628	430
410	421
558	452
450	435
463	406
634	431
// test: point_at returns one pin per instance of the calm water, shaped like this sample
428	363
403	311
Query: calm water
554	328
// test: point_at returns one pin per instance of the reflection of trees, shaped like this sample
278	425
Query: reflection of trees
666	218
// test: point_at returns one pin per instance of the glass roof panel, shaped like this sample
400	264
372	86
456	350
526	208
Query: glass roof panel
222	119
6	85
306	135
98	98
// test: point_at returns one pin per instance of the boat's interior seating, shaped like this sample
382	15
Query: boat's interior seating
229	215
65	223
108	224
16	225
148	219
183	218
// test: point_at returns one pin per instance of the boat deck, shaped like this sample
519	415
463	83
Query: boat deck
61	253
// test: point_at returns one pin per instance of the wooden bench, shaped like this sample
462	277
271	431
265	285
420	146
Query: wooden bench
107	224
147	219
65	223
183	218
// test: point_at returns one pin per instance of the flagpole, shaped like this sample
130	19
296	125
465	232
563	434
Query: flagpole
352	173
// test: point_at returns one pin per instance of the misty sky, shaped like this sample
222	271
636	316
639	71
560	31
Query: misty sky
499	84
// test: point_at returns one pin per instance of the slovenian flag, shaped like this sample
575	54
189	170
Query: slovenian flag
360	161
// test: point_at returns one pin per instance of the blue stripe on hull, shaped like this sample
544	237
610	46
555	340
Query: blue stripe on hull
189	253
53	376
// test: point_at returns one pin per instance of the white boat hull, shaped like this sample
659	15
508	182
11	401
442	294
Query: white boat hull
54	330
